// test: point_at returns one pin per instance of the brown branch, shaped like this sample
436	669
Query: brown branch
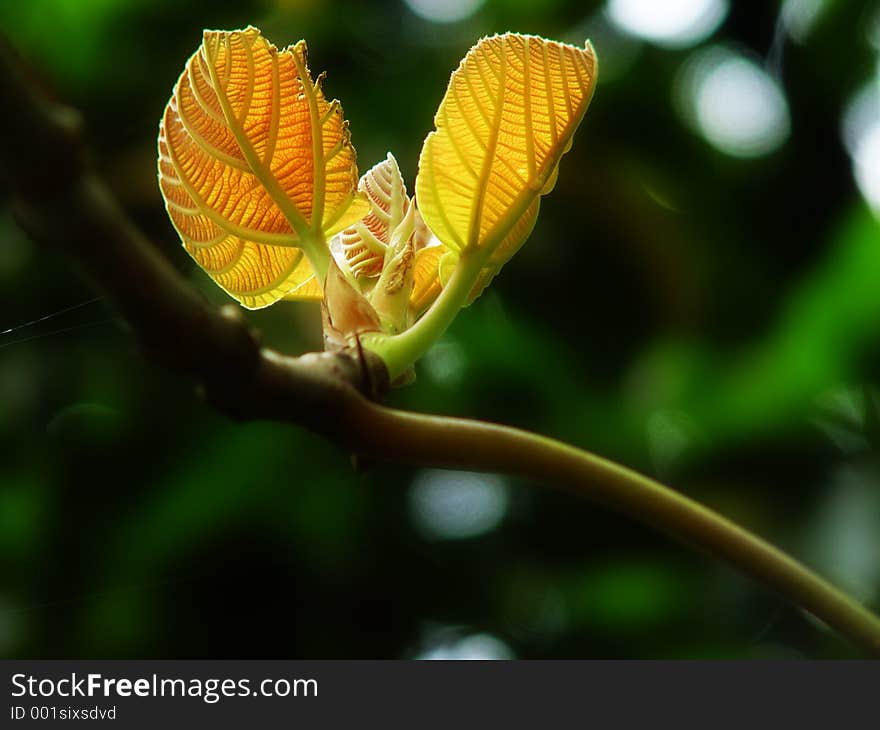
62	203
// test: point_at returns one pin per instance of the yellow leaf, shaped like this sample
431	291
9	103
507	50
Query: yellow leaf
365	242
309	289
426	278
508	116
255	165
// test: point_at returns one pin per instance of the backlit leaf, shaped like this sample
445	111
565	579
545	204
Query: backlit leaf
253	162
426	278
365	242
507	118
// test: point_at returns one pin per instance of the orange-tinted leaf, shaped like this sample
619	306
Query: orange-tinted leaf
508	116
365	242
254	274
308	290
253	160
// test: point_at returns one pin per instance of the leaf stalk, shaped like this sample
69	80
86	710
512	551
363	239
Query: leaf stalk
400	351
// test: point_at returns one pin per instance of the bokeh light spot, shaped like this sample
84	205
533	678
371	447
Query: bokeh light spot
866	166
673	24
444	11
445	363
799	17
474	647
452	505
733	103
670	435
844	540
617	50
861	136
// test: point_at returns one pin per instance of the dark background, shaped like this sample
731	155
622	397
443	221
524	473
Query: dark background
708	318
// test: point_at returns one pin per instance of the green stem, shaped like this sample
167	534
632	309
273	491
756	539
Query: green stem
315	247
467	444
400	351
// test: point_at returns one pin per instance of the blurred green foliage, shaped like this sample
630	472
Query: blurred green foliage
697	316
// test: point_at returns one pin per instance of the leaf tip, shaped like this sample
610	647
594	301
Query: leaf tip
594	57
301	50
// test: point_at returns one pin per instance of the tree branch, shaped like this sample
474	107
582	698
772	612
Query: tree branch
63	204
